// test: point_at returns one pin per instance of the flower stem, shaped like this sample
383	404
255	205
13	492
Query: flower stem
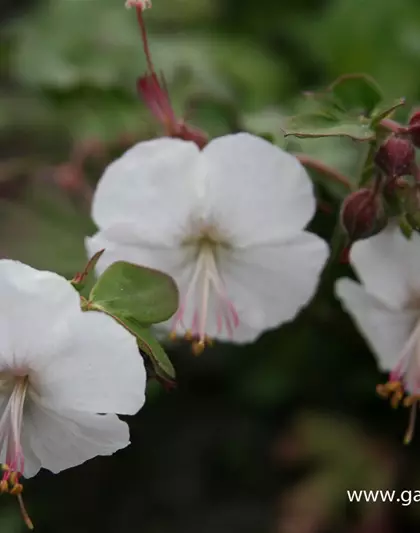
391	125
329	172
144	39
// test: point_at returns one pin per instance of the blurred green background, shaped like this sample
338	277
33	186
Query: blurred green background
261	439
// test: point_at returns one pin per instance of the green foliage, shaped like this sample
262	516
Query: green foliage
68	71
351	107
138	298
146	295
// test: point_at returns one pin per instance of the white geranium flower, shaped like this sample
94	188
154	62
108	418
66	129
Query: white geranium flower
225	222
386	309
59	368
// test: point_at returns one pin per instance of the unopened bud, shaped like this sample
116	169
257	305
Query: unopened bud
396	156
414	128
362	214
157	100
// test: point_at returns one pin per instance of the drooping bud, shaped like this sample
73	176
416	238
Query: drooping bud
396	156
362	214
155	96
414	128
157	100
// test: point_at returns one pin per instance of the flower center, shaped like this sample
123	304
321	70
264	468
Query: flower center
206	285
403	386
10	433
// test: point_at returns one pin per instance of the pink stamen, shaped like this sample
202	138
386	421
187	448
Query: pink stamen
10	435
206	284
407	370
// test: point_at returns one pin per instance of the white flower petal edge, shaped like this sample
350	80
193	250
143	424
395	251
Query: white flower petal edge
256	192
59	368
386	330
388	265
227	223
130	189
386	308
63	439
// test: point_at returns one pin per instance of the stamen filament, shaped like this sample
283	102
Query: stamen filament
206	274
10	434
412	423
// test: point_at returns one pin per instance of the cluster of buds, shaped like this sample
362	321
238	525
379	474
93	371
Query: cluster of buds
154	94
397	183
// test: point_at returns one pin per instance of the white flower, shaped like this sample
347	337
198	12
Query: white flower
386	308
59	368
225	222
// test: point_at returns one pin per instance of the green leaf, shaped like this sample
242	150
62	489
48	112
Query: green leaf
356	93
135	292
323	125
79	280
385	109
151	347
147	344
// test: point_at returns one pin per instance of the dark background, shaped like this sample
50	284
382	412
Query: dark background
258	439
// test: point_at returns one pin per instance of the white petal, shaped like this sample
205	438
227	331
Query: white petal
257	192
32	463
65	439
152	185
95	367
33	305
388	266
386	330
171	260
269	285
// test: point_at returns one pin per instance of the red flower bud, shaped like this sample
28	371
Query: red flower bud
362	214
157	100
156	97
396	156
414	128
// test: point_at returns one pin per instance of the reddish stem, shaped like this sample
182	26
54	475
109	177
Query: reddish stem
144	39
392	125
331	173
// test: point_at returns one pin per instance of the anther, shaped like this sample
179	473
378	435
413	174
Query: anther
209	341
173	336
198	347
16	489
4	486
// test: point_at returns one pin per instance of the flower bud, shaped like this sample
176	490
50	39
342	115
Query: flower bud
414	128
362	214
396	156
157	100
